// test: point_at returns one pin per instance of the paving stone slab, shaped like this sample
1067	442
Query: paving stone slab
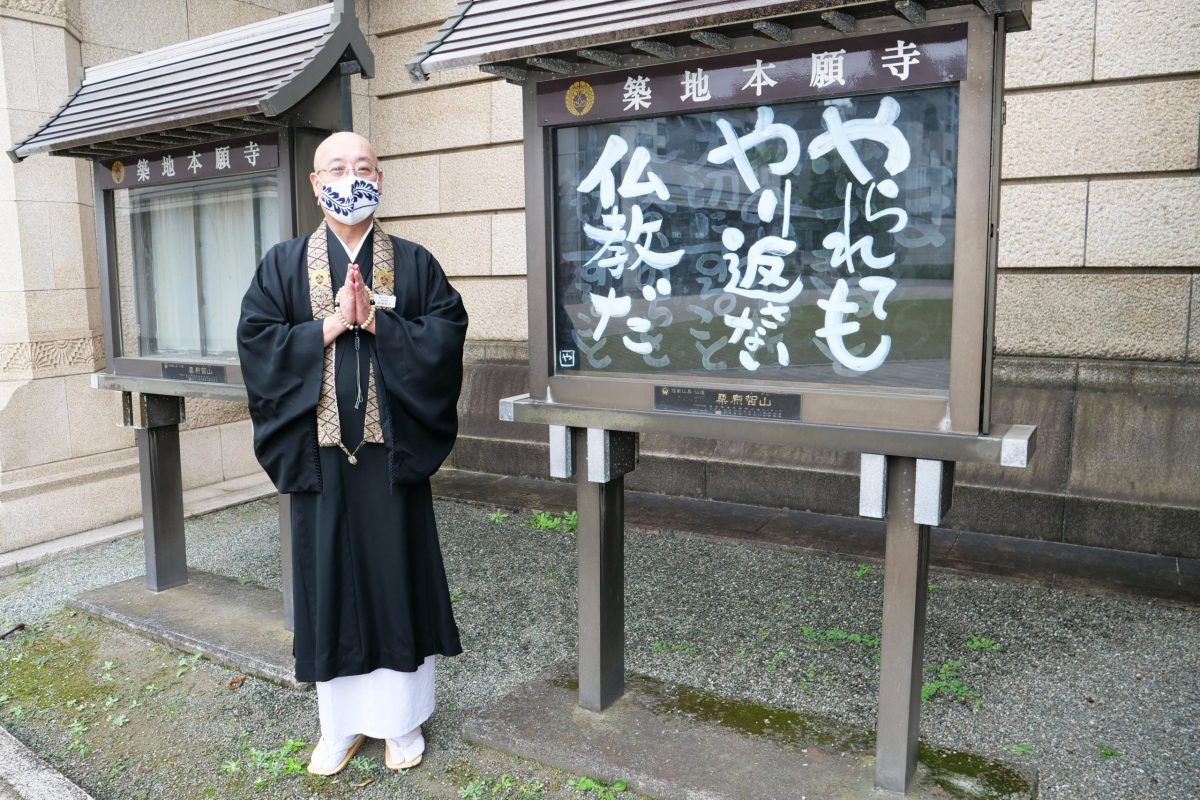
672	742
235	625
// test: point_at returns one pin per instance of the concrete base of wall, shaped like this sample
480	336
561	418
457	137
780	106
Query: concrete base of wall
1117	464
45	502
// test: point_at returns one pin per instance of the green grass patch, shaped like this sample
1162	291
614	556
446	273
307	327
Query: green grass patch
948	684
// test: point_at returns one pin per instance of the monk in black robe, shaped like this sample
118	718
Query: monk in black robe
351	351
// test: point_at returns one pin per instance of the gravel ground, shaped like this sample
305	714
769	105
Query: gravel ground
1099	693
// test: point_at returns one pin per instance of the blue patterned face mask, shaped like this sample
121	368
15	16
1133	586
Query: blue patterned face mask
350	200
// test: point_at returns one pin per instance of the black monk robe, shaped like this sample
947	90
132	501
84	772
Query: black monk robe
370	588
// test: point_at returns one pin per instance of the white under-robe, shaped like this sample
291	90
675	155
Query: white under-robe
384	704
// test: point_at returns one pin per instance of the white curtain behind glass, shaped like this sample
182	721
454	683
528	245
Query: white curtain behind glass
201	245
229	252
169	250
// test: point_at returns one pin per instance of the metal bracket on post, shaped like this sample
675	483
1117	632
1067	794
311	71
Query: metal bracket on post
934	491
610	454
562	461
872	486
600	502
156	419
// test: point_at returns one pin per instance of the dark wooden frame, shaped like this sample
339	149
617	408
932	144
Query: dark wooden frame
962	410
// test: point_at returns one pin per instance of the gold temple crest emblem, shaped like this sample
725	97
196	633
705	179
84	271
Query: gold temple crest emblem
580	98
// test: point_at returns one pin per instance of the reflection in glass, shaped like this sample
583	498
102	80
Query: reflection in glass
186	254
806	242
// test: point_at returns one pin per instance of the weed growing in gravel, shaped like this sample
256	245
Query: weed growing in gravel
504	787
949	684
271	765
545	521
497	516
683	648
364	764
778	660
837	635
862	570
1020	749
457	595
184	662
1105	753
598	789
983	643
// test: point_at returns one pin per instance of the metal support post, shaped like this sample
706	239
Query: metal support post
285	561
600	500
156	419
917	493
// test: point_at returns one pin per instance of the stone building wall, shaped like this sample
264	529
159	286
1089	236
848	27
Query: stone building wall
1098	311
65	464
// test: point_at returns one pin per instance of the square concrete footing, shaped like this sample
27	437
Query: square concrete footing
671	741
235	625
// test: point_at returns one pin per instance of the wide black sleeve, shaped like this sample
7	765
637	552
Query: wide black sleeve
420	351
282	360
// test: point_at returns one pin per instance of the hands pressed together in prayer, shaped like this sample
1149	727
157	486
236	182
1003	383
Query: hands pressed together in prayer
354	301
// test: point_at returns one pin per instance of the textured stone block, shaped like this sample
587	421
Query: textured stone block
1043	224
200	457
36	237
437	120
483	387
392	54
1057	49
203	413
1140	527
1151	455
94	418
33	416
780	487
507	124
93	54
410	186
14	320
360	113
678	477
395	16
1139	127
488	179
1134	39
462	244
1193	352
1152	222
1028	515
508	243
496	306
42	177
1037	392
62	313
56	54
71	231
8	178
1093	316
213	16
237	450
16	56
45	515
141	24
12	272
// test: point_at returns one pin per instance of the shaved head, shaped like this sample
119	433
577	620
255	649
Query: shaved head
345	146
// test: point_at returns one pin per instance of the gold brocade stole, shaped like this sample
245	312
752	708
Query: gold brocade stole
320	296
